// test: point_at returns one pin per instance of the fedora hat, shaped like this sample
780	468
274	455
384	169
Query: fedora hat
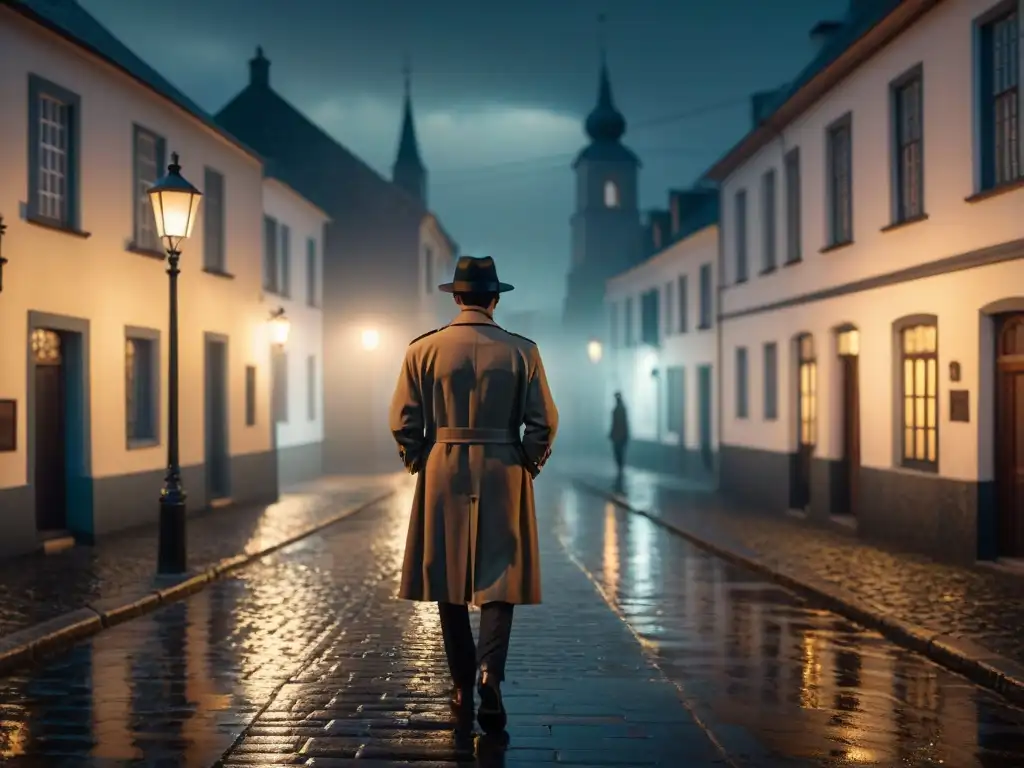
475	275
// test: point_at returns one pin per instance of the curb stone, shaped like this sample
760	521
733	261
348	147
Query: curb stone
966	657
38	641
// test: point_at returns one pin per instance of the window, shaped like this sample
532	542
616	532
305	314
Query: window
279	367
674	212
684	305
1000	99
741	236
250	395
908	163
628	339
840	182
742	404
285	257
706	301
675	379
312	272
793	223
613	324
669	327
311	388
213	221
771	381
53	130
649	317
611	195
807	400
919	350
148	165
428	269
270	269
142	372
768	223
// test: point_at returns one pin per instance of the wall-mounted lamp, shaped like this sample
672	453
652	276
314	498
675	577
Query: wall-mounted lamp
595	351
3	229
280	327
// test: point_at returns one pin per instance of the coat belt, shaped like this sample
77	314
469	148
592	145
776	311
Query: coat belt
475	436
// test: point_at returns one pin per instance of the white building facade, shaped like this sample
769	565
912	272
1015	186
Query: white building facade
873	229
661	349
84	306
293	236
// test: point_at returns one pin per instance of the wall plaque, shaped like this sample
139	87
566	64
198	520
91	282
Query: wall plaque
8	426
954	371
959	405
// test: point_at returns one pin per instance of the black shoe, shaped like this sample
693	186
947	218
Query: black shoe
461	697
491	713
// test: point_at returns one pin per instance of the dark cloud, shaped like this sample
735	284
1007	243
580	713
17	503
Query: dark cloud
500	91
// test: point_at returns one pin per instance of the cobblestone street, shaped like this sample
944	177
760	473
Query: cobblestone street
305	658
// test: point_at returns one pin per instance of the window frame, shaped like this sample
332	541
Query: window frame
769	221
312	388
683	291
312	272
142	208
899	327
214	262
900	212
987	144
770	365
707	297
271	260
794	207
742	376
284	259
250	395
151	338
842	125
741	244
650	317
37	88
675	402
629	338
279	380
613	324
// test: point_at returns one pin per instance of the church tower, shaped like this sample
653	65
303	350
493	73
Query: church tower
408	171
606	230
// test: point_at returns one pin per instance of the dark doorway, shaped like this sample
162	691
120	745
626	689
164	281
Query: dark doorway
1010	435
49	432
806	422
218	471
849	357
704	404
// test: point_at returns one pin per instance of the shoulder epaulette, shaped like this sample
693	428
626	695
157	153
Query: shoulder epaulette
428	333
520	336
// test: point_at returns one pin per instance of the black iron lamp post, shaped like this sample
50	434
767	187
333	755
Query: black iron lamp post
3	261
175	204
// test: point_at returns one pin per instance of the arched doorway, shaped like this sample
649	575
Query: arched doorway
848	346
1009	434
806	421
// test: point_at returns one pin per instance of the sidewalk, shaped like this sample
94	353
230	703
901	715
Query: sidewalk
968	619
82	589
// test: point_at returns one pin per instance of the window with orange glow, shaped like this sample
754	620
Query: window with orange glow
808	394
919	345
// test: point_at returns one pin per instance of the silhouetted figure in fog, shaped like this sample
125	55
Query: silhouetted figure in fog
462	395
619	436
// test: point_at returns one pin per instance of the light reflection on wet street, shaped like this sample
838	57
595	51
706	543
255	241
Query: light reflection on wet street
805	682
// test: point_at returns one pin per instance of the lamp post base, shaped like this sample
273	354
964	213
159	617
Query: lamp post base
171	557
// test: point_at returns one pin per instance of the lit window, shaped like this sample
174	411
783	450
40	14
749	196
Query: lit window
919	346
611	195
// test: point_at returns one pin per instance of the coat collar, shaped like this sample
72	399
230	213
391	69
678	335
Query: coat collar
474	316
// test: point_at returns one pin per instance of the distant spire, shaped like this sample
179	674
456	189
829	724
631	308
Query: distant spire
602	41
605	122
408	171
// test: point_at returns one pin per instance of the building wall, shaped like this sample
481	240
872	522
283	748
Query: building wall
96	287
300	435
437	262
629	365
959	263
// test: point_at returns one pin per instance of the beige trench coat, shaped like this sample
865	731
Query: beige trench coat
473	530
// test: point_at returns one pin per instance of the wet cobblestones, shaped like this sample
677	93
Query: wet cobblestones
35	588
980	604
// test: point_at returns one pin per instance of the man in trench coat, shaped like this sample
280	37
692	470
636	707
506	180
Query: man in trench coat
463	394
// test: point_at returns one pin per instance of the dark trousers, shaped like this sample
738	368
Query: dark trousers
619	449
464	656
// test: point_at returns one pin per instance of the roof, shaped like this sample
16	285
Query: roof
872	26
270	174
72	22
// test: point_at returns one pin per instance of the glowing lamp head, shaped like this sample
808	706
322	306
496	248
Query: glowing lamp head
370	339
280	328
175	205
594	351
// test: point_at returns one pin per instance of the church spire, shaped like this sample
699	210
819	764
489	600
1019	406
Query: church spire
408	172
605	122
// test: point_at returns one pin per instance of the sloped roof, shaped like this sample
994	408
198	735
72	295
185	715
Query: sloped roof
72	22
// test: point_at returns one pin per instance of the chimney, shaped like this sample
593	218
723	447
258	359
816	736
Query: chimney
259	70
821	34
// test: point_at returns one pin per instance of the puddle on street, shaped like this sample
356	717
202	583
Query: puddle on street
805	683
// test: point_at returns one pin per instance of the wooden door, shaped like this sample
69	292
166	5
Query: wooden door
807	424
49	434
217	459
1010	437
850	368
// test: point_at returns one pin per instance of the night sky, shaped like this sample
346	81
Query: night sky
500	92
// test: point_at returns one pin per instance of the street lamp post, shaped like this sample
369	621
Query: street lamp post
175	204
3	261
